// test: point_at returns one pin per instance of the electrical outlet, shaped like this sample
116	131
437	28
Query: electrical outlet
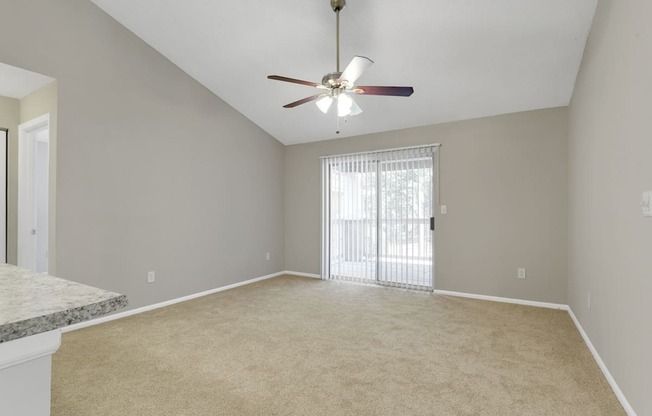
444	209
268	256
588	301
151	277
646	204
521	273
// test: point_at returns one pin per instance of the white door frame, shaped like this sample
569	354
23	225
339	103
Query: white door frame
3	195
26	211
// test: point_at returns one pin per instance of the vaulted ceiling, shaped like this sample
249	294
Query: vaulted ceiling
464	58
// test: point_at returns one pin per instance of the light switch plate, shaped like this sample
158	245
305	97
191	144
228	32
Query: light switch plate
646	204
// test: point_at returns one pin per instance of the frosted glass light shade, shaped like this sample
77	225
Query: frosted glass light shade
355	108
324	103
344	103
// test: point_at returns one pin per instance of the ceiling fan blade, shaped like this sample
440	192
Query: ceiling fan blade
302	101
395	91
355	108
295	81
355	69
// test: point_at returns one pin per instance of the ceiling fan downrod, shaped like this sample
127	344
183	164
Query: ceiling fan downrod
337	5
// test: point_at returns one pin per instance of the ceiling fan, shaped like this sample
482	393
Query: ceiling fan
339	86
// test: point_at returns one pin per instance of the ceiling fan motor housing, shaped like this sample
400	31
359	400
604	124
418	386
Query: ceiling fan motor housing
332	80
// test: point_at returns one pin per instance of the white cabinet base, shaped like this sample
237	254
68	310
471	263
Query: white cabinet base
25	374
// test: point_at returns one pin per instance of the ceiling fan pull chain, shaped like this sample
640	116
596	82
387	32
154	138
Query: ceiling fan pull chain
337	124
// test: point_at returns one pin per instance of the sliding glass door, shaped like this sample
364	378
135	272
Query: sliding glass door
405	237
353	225
378	217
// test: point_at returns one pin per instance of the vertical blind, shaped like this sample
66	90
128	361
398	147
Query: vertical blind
376	217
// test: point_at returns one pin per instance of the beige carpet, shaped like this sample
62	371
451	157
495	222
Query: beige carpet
297	346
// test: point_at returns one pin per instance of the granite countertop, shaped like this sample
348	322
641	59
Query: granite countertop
31	303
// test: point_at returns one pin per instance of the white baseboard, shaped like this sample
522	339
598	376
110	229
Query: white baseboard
166	303
315	276
503	300
614	386
603	367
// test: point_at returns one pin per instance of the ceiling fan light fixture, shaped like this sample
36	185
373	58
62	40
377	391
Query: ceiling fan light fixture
344	103
355	109
339	84
324	103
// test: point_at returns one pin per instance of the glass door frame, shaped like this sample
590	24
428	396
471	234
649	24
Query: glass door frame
326	174
434	189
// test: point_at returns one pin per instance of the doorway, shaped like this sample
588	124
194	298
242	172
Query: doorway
34	193
378	217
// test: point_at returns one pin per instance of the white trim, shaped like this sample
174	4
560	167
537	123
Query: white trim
147	308
603	367
36	123
313	275
503	300
4	165
612	382
30	348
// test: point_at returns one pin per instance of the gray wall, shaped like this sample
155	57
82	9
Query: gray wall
10	119
154	171
610	166
504	180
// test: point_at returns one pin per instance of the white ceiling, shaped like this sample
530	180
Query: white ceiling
464	58
18	82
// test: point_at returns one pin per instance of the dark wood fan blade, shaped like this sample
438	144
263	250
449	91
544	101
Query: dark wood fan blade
293	80
303	101
395	91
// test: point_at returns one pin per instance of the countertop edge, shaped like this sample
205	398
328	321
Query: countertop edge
37	325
